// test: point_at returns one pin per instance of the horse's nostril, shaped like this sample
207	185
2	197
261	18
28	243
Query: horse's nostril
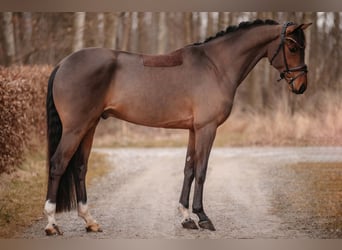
302	89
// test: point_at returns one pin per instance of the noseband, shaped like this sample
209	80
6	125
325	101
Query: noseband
302	68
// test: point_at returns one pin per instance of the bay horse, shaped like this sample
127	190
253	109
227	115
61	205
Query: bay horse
191	88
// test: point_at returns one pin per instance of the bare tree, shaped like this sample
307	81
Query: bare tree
210	24
27	36
336	31
201	24
18	42
113	21
99	41
162	33
79	24
8	33
141	30
188	27
127	31
223	20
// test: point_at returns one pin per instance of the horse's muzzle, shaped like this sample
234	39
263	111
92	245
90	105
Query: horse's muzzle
301	89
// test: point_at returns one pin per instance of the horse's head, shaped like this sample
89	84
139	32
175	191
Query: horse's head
288	56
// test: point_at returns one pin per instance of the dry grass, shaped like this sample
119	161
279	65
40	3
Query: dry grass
22	196
312	124
22	193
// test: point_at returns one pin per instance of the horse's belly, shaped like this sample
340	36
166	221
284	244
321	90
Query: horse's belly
153	115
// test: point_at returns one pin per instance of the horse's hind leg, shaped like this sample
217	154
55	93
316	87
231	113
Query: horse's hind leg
189	175
79	173
59	162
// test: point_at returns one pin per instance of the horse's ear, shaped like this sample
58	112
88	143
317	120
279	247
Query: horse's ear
293	29
303	26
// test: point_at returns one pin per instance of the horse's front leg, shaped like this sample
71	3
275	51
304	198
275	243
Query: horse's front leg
204	138
189	175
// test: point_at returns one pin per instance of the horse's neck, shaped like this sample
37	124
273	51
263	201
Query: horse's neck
237	53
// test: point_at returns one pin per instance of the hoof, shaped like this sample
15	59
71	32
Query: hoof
53	231
206	224
189	224
94	228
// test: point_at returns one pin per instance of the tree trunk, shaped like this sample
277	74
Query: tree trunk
162	33
210	25
9	37
153	31
188	27
337	50
141	32
100	30
234	18
292	17
223	20
27	36
201	24
126	31
19	46
111	41
79	25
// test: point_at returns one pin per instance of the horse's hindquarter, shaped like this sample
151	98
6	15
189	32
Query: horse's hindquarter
159	96
81	85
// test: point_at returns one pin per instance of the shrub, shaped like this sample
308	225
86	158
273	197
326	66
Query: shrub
22	112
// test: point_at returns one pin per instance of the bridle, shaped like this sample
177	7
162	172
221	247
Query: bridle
301	68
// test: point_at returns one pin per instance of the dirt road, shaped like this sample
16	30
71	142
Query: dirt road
249	193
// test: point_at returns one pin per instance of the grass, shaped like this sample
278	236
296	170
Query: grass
22	193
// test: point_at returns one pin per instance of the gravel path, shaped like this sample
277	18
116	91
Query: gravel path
249	193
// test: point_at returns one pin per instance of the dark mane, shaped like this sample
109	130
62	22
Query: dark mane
242	25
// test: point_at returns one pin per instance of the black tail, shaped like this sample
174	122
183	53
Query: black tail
66	198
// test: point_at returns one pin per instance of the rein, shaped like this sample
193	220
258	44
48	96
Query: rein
302	68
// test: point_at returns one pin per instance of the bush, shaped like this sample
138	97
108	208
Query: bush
22	112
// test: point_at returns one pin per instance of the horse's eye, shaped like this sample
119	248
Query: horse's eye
293	49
